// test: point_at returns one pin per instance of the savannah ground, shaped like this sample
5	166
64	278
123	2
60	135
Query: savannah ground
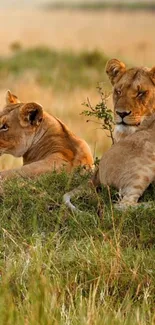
95	267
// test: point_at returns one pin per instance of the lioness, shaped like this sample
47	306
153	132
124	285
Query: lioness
133	96
129	165
44	142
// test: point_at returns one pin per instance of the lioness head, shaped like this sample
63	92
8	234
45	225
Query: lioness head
18	125
133	96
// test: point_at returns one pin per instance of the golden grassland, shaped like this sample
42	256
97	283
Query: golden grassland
123	35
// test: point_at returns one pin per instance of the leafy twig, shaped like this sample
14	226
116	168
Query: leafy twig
101	112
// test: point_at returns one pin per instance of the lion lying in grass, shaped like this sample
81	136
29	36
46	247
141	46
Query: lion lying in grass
44	142
129	165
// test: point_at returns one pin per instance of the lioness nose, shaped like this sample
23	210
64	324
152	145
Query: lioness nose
123	114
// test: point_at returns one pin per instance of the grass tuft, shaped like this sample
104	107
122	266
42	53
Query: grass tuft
95	267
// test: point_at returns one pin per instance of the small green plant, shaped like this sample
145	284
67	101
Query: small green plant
101	112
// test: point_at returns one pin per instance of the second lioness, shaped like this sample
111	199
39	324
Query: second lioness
129	166
44	142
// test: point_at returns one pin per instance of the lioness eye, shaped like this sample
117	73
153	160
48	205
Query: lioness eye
4	127
141	93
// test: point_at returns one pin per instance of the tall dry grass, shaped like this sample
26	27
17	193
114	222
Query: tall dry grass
123	34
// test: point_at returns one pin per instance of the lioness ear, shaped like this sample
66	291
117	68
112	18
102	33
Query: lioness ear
152	74
115	70
11	99
31	114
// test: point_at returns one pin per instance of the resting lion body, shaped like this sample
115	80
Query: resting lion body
133	96
44	142
129	165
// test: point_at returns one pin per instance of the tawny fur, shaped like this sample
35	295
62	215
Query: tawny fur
129	165
44	142
133	95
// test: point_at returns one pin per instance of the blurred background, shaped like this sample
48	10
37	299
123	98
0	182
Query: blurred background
54	52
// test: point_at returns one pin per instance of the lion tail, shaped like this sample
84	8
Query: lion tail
69	195
93	182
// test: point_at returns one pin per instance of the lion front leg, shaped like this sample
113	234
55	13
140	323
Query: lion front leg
128	201
131	195
36	168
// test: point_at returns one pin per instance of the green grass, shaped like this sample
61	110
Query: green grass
101	5
95	267
62	70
